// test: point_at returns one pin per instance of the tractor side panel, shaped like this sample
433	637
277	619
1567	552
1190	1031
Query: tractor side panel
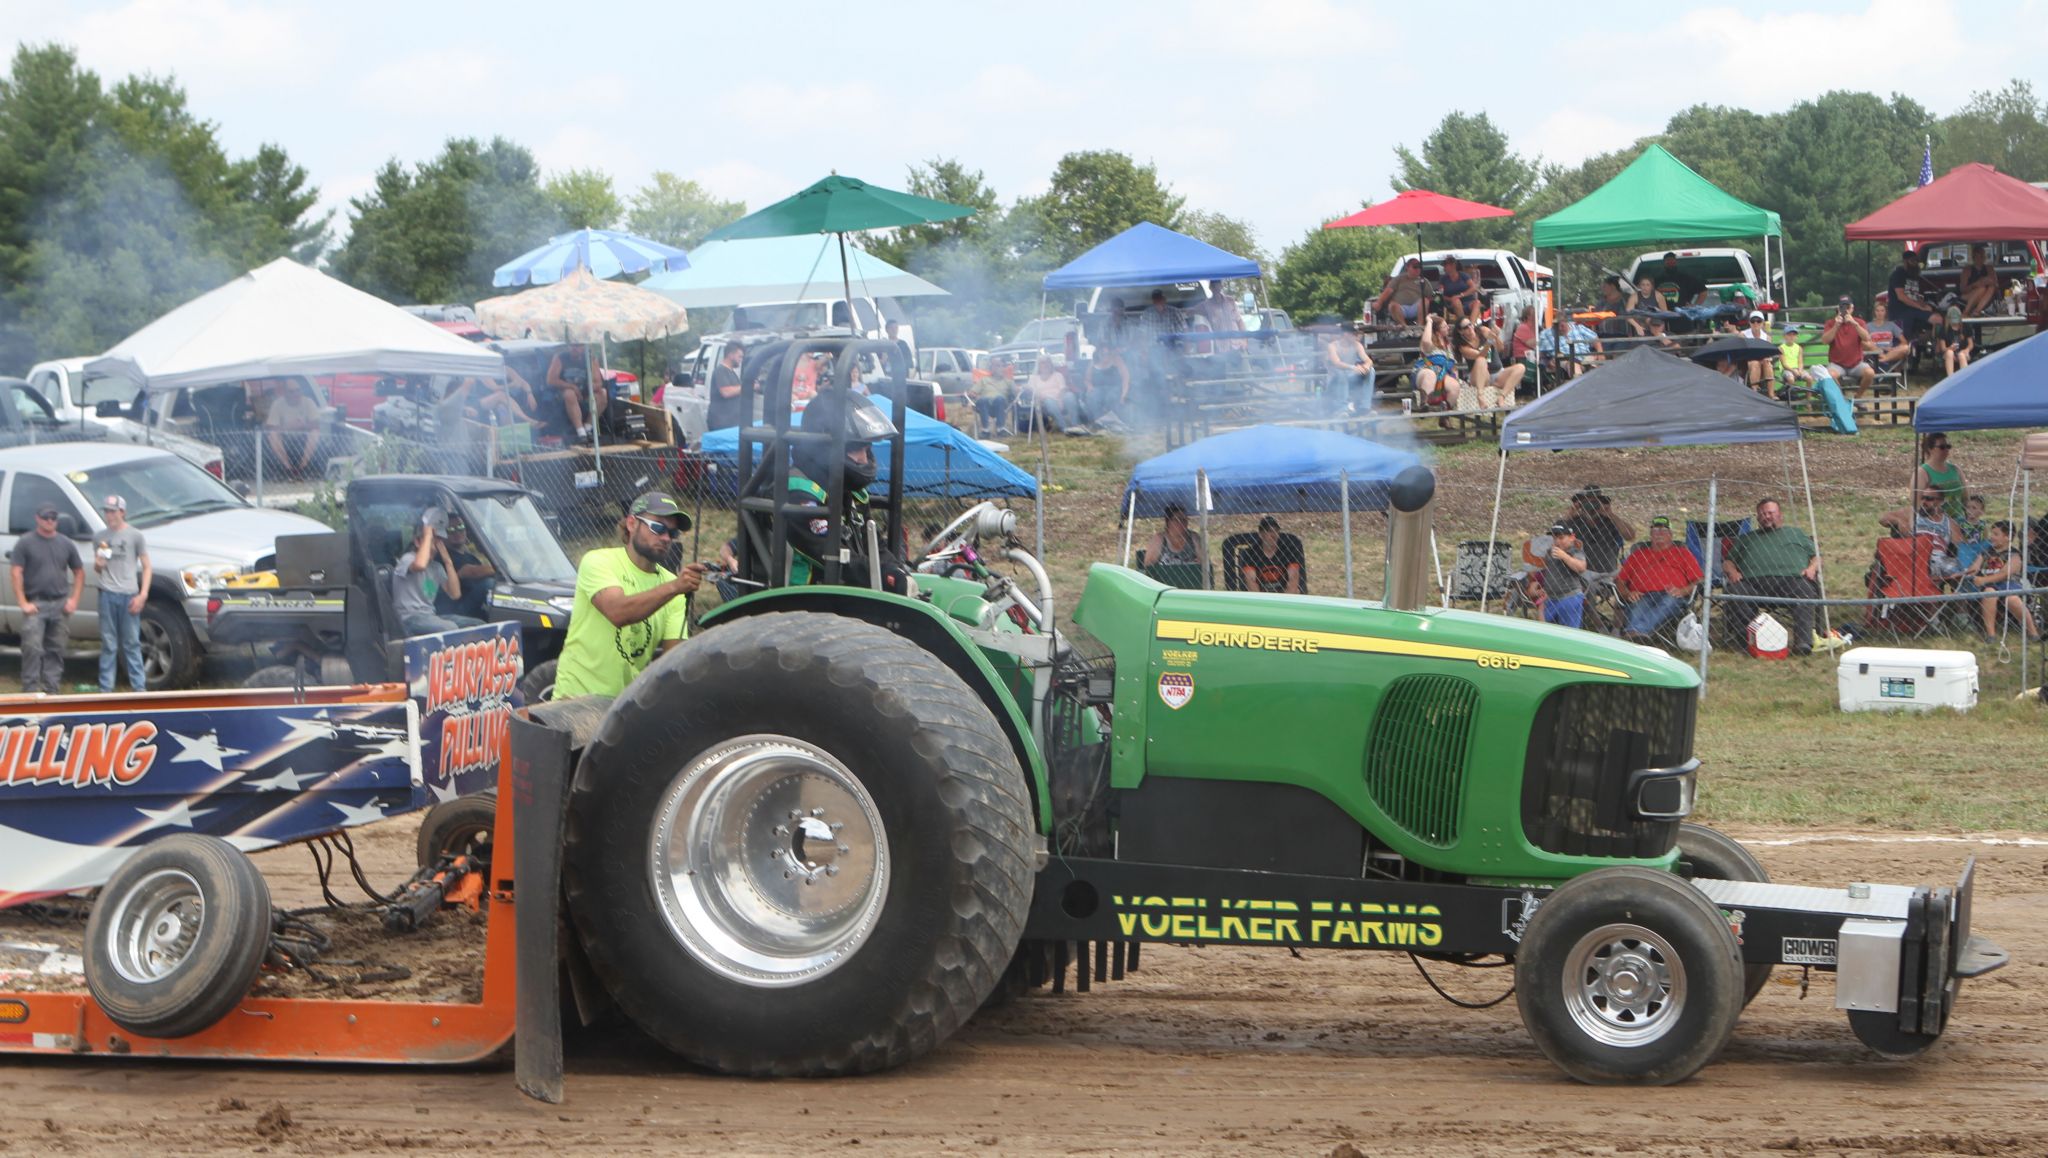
1416	725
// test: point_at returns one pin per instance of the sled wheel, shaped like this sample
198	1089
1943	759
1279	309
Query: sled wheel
1629	976
800	846
1718	857
1880	1031
463	826
538	685
176	936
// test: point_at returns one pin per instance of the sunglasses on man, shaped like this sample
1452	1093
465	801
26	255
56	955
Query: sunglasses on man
657	527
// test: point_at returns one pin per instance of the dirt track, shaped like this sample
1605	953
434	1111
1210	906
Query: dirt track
1205	1051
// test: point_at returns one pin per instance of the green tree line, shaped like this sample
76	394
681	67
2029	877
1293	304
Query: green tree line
117	203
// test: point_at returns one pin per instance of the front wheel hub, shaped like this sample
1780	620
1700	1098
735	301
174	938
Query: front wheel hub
769	860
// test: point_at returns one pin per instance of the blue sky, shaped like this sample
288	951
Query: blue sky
1277	113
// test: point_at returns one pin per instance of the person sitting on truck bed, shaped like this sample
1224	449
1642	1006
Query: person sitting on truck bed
291	425
1404	295
628	608
1460	290
567	377
1678	287
1978	283
421	574
1649	297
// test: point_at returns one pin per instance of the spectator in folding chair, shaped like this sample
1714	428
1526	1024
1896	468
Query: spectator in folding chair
1266	561
1927	520
2002	569
1970	533
1564	578
1954	343
1773	560
1600	531
1177	553
1656	581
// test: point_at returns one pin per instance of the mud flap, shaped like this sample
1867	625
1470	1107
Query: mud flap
540	787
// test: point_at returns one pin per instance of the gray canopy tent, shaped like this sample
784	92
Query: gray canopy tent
1648	398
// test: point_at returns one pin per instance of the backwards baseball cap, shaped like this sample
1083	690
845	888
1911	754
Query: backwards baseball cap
1562	529
114	503
658	505
1663	521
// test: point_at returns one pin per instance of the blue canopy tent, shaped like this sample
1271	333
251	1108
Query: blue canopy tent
1148	254
1266	470
938	462
2004	390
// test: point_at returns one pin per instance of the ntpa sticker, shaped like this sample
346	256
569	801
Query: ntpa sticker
1176	688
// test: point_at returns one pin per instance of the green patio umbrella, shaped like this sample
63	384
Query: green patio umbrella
840	205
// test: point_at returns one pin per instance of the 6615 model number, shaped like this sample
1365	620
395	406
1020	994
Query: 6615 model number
1496	659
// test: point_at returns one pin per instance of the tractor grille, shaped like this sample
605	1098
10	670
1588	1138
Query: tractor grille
1585	741
1415	757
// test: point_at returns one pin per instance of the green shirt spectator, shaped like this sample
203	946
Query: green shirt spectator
1777	552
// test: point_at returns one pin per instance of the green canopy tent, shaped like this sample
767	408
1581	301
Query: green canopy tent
1658	198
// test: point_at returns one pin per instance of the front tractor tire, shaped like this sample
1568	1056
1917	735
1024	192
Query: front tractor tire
1629	976
800	845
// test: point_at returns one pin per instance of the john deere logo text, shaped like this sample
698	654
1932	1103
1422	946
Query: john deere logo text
82	755
1259	922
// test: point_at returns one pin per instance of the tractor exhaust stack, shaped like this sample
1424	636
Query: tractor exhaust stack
1408	520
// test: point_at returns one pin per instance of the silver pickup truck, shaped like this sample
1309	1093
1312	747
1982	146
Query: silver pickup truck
197	530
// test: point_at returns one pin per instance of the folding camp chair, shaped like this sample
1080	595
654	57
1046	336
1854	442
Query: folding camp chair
1726	530
1902	571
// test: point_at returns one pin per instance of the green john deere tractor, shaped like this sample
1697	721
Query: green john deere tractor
816	838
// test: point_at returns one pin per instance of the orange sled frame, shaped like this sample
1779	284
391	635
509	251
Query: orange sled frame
301	1029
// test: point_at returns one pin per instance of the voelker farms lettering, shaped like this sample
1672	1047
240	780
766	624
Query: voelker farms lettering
1264	922
82	755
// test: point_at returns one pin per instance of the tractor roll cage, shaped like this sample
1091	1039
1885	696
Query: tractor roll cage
765	462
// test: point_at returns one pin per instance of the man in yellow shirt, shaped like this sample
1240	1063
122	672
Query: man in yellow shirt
628	608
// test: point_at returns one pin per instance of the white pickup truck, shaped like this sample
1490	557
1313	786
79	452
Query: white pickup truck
55	382
1716	269
1509	284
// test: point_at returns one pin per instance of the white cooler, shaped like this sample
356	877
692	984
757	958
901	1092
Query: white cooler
1880	679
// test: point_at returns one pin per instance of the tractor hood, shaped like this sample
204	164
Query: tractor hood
1307	625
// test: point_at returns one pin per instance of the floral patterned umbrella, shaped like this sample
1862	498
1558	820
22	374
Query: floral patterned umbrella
582	308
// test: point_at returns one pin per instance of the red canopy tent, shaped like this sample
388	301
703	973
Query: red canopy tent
1419	207
1972	202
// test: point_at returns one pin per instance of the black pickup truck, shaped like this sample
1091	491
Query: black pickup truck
325	614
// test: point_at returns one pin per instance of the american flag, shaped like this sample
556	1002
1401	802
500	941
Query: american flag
1926	159
80	792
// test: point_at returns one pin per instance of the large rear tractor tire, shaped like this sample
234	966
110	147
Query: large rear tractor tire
177	935
1629	976
1717	857
799	846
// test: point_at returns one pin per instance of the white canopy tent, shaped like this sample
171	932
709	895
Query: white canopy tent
282	320
782	269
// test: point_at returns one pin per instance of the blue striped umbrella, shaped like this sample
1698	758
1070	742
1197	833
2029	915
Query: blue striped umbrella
604	252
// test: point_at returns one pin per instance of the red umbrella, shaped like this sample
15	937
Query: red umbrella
1419	207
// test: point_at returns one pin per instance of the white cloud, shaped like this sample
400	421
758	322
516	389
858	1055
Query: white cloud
757	109
1570	135
214	46
424	83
